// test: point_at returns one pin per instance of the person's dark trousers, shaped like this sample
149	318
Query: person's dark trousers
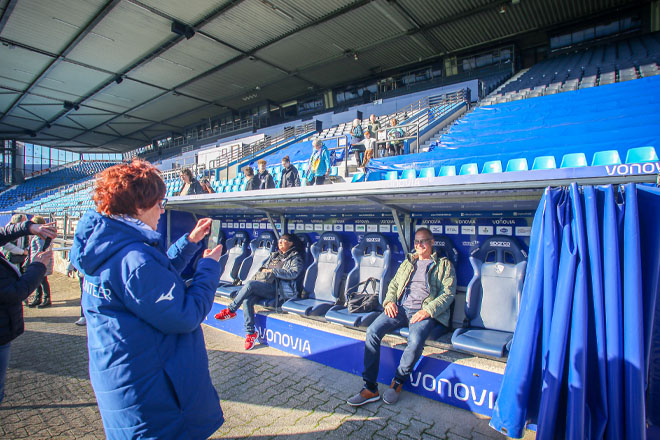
80	279
359	150
249	294
318	180
382	325
4	364
43	289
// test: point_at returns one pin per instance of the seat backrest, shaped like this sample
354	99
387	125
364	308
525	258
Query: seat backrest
492	166
409	174
237	250
306	247
444	247
641	154
323	277
261	247
372	260
573	160
607	157
493	294
447	170
544	163
469	168
518	164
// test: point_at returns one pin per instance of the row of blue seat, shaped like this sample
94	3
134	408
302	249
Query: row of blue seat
572	160
493	296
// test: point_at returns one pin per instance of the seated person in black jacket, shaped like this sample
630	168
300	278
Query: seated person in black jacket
14	287
281	270
265	179
290	176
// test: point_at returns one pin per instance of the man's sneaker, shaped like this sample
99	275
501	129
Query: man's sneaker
225	314
391	395
250	340
82	321
363	397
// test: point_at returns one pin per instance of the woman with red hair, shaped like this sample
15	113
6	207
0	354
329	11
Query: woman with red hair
147	358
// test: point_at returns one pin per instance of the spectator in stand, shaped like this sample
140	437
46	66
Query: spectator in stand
280	271
357	135
206	186
395	148
44	288
373	126
190	184
290	176
17	251
369	145
16	287
253	182
418	297
148	363
318	167
265	179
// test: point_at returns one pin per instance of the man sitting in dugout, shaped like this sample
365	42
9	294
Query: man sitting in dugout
418	297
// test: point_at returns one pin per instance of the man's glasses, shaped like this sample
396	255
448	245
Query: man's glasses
162	203
422	241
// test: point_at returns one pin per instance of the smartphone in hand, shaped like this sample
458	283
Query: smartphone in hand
214	236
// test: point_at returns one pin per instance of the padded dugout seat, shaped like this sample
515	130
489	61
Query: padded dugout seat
322	279
492	299
230	262
443	247
261	248
372	260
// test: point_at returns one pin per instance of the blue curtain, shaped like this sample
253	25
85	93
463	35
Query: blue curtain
582	354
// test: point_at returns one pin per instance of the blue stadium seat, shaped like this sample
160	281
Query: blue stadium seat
492	297
447	170
519	164
573	160
608	157
261	248
493	166
544	163
469	168
334	171
372	260
230	262
427	172
322	279
641	154
373	176
409	174
443	247
391	175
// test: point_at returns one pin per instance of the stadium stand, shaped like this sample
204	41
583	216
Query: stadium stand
620	61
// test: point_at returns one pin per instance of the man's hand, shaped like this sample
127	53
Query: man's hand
49	230
201	230
214	253
420	316
45	257
391	310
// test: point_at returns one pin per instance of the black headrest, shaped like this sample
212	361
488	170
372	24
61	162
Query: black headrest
444	247
239	237
304	238
372	243
329	241
500	248
266	239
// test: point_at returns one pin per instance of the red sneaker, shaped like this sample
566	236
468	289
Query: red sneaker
225	314
251	341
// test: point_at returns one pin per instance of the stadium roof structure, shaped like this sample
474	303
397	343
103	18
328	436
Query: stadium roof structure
110	76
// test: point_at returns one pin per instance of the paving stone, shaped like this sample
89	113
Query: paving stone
264	392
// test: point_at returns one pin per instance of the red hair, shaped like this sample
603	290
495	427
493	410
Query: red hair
124	188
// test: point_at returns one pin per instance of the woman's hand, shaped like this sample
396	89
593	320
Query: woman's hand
49	230
201	230
45	257
214	253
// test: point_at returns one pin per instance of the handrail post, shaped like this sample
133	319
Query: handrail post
417	136
345	156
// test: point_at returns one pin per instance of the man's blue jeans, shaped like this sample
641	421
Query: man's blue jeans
382	325
4	364
249	294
